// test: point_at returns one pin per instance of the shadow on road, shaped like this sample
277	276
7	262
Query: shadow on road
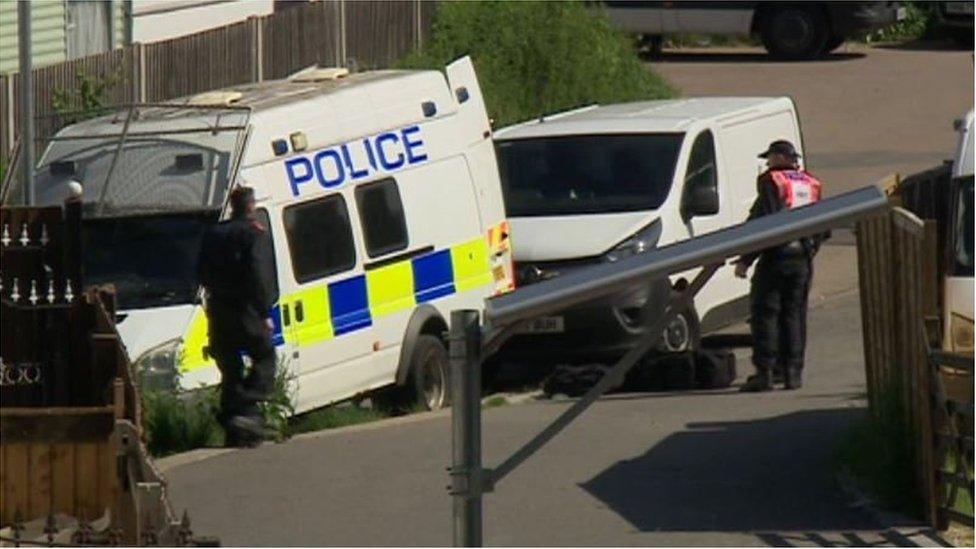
770	475
692	56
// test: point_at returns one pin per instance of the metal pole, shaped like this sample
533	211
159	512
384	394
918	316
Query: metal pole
26	101
467	476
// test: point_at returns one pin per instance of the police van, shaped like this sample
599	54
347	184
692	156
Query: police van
380	194
605	182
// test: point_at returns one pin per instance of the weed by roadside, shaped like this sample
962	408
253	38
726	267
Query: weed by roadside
494	402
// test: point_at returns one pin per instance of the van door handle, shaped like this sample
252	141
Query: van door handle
285	315
299	312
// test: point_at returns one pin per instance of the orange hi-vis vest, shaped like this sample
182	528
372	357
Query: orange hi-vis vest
796	188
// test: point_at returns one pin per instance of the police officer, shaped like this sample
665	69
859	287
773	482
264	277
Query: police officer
781	282
236	269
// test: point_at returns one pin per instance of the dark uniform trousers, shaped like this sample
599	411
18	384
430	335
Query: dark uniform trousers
237	329
780	288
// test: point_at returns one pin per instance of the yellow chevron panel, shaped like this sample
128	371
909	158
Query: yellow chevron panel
470	263
390	288
192	356
316	316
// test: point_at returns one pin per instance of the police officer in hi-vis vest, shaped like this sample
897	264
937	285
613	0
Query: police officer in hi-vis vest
236	269
782	279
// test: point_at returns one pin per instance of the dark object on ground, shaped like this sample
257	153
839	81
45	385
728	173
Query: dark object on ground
707	369
758	383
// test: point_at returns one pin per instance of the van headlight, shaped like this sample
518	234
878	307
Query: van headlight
961	330
158	368
638	243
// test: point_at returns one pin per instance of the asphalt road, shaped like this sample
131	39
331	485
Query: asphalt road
703	468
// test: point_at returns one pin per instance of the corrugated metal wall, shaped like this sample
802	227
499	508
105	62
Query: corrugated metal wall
47	33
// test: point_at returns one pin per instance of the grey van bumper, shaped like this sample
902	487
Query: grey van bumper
596	331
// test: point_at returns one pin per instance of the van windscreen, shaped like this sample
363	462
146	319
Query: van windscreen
582	174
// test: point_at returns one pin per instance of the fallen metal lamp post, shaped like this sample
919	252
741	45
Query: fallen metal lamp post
470	342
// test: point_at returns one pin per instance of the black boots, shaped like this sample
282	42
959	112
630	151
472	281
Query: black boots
763	380
760	382
793	378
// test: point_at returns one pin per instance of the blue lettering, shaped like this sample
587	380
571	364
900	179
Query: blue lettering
369	153
320	169
381	152
409	145
349	164
294	178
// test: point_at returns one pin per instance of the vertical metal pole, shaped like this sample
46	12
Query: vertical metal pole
26	101
466	472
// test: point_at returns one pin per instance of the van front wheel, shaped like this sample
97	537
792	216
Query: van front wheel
428	380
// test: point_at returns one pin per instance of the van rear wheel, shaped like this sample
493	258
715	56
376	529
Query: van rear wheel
428	381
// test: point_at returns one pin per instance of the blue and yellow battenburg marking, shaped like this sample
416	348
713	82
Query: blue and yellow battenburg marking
327	311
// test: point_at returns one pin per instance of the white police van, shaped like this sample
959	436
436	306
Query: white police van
380	193
605	182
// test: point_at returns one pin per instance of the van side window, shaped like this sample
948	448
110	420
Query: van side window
381	215
701	164
700	195
272	268
319	238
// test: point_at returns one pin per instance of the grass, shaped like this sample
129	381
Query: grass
494	402
333	417
176	423
878	452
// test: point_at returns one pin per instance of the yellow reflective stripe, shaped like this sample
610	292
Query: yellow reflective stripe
390	289
469	261
316	322
193	355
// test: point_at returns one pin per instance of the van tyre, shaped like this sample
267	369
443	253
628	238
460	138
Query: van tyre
428	380
795	31
682	332
427	386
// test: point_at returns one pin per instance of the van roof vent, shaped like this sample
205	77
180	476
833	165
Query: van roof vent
319	74
215	98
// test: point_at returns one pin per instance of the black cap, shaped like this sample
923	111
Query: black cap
780	146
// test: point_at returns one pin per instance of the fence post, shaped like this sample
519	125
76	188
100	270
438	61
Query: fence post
257	48
466	473
11	115
341	35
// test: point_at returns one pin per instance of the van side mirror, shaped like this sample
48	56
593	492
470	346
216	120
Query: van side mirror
700	200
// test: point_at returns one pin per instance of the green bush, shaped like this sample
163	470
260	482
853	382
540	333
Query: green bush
179	422
919	22
536	58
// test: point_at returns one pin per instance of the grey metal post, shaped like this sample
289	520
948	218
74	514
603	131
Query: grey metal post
26	101
466	473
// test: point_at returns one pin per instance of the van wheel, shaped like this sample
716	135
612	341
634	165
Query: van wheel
428	381
682	333
795	32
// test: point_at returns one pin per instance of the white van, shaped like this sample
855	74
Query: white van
380	191
605	182
958	309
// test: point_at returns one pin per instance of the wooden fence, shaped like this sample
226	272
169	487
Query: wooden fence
364	34
897	261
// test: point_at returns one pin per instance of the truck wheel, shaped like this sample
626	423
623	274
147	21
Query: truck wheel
794	32
428	381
